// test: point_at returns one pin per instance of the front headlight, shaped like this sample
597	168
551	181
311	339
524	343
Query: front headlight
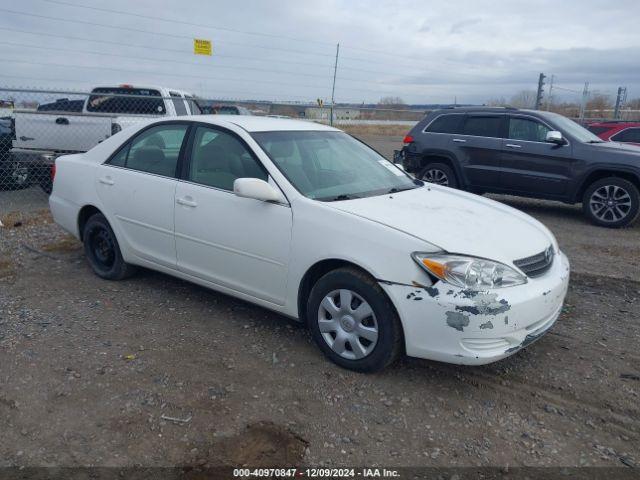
469	272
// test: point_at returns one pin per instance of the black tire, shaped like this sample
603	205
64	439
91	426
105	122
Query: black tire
15	176
389	343
435	172
611	202
102	250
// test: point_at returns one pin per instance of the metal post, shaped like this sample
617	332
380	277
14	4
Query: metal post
540	91
583	104
333	89
620	99
550	90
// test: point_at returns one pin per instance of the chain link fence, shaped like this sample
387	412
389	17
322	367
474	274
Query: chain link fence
38	125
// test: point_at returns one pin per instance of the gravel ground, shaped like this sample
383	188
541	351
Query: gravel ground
156	371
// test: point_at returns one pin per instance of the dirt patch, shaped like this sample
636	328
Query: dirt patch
66	244
21	219
262	444
383	130
6	268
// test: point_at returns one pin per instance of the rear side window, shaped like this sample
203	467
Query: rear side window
480	126
155	150
446	124
628	135
126	100
178	104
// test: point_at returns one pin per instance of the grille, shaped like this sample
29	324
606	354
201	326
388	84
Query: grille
537	264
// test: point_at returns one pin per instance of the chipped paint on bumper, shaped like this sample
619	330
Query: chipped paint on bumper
453	325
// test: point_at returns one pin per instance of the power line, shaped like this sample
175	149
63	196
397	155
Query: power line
244	32
175	50
182	22
154	47
89	83
197	64
150	32
181	75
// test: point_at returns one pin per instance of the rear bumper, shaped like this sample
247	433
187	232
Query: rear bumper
34	157
453	325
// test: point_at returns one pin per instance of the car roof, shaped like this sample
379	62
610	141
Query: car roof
255	123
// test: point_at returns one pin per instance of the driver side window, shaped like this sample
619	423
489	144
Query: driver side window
219	158
527	129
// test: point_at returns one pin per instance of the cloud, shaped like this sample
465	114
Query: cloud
459	27
286	50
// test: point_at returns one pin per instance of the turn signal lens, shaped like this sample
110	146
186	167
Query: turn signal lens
469	272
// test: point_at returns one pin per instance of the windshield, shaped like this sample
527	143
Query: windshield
573	129
332	165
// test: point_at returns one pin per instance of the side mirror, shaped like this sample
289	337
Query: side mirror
256	189
553	136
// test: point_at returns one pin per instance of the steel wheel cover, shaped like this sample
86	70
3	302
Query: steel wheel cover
347	324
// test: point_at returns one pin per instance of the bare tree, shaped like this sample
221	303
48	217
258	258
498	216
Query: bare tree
523	99
496	102
599	104
392	102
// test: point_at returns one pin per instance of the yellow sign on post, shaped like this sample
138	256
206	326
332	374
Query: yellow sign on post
202	47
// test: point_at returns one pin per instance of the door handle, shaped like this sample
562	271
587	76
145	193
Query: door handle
106	181
187	202
62	121
513	145
459	140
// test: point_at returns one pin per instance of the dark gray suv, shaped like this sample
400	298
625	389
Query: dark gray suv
527	153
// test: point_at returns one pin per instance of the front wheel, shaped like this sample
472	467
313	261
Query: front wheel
102	250
353	321
440	174
611	202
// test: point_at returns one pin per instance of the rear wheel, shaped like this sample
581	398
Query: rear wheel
102	250
353	321
611	202
440	174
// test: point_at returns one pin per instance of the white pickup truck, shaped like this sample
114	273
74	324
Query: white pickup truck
44	134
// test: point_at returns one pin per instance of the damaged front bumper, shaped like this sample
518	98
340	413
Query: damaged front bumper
454	325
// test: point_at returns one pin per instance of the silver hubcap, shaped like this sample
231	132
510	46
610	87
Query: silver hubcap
610	203
436	176
19	174
348	325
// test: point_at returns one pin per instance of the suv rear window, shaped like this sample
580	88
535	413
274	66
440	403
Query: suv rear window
446	124
598	130
142	101
480	126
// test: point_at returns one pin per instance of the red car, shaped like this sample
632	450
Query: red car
625	132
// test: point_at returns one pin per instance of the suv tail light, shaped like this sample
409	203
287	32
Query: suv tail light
53	171
407	139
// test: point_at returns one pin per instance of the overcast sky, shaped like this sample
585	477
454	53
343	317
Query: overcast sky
422	51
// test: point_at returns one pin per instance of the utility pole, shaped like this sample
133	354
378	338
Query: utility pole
583	104
540	91
333	89
550	90
620	100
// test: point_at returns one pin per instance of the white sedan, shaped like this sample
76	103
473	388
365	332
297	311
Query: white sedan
305	220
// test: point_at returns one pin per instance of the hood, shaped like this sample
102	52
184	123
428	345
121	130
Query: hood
456	222
626	148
